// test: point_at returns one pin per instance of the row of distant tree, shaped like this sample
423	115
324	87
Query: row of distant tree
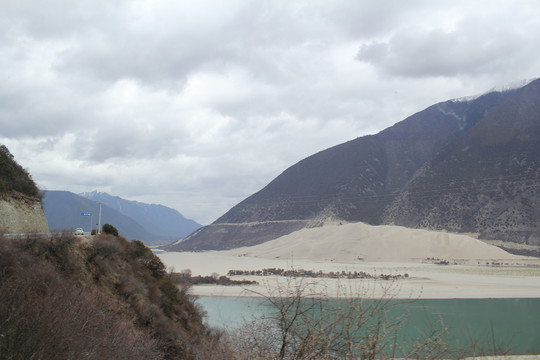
315	274
186	278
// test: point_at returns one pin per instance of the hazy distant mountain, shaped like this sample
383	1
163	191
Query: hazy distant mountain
468	165
63	211
154	218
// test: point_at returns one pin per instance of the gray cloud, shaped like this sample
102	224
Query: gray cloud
198	104
472	45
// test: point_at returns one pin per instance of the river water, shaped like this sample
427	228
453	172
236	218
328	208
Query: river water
513	324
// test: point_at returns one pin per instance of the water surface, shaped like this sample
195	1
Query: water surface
512	323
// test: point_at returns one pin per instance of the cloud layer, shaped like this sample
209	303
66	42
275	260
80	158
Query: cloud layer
198	104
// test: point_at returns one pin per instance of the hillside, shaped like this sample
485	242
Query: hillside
13	177
20	200
371	179
485	182
67	297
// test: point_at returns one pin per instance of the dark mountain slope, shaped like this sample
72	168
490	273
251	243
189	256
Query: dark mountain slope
354	181
485	182
365	170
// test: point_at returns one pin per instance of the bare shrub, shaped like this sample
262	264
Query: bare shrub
67	298
107	245
256	339
353	324
44	317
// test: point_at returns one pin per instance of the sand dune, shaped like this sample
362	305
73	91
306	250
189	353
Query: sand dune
359	241
382	250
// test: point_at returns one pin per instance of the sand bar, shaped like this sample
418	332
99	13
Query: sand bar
472	268
428	281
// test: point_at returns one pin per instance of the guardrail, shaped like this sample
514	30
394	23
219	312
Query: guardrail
49	234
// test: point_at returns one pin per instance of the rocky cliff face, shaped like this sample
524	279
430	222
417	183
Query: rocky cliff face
21	214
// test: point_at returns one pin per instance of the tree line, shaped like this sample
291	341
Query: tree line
315	274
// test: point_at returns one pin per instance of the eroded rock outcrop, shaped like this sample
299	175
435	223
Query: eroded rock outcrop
21	214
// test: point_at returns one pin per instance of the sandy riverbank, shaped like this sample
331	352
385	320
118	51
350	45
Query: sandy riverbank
475	269
423	281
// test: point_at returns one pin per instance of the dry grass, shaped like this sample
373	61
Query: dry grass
63	297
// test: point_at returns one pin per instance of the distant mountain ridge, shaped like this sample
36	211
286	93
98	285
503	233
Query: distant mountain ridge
153	217
63	211
460	165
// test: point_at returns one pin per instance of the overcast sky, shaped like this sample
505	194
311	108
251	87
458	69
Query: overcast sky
198	104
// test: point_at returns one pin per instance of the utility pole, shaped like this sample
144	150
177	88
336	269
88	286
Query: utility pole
99	221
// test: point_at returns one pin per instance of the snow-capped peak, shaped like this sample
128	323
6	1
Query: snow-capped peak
502	88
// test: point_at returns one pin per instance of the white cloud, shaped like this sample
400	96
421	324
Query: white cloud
198	104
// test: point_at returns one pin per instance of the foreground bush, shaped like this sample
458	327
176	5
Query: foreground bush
70	298
308	324
43	317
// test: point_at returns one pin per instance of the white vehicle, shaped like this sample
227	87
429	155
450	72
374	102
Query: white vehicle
78	231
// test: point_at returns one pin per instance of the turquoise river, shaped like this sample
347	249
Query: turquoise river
513	324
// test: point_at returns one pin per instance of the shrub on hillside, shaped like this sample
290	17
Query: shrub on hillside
147	258
109	229
14	177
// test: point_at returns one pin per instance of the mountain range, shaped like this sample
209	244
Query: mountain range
469	166
150	223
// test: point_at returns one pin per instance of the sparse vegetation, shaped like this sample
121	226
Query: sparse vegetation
14	177
307	324
70	298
